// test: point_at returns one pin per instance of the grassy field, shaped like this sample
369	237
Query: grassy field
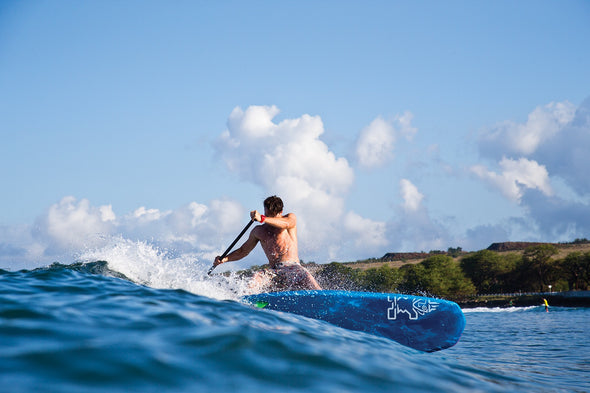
564	250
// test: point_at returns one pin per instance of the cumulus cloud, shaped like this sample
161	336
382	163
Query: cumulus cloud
558	219
70	227
266	153
566	154
288	158
376	142
552	145
254	123
555	138
16	244
192	226
72	224
411	227
405	125
511	138
147	215
367	233
515	176
296	164
416	230
410	194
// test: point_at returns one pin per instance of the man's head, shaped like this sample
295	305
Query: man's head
273	205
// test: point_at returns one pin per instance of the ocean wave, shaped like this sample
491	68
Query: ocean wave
499	309
80	328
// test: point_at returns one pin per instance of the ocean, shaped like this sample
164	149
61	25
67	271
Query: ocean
154	323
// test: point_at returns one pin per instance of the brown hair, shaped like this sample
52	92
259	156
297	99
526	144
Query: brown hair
274	205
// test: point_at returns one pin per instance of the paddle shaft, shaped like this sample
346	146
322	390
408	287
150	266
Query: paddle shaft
232	245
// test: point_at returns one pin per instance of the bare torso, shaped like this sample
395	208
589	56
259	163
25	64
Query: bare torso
279	245
278	238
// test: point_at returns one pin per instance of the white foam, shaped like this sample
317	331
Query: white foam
497	309
148	265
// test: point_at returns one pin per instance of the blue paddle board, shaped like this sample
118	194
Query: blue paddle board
423	323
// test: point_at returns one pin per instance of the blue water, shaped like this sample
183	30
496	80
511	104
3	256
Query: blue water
86	328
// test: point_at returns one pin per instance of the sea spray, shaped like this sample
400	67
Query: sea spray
148	265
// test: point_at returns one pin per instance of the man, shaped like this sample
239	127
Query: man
278	237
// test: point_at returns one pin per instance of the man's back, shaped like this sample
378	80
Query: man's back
279	244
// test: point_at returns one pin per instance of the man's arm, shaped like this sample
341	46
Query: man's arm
285	222
241	252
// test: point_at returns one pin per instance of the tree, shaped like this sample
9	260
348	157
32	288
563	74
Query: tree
382	279
489	271
537	261
454	252
337	276
413	279
576	270
438	275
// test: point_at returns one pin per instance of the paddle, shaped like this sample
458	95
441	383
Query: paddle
232	245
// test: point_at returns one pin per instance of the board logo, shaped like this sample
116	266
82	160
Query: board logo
413	306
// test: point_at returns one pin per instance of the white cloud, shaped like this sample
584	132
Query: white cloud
146	215
555	139
410	194
515	176
523	139
566	154
376	142
404	125
262	151
189	217
286	158
289	159
253	123
190	227
557	219
415	230
556	136
412	228
73	224
367	233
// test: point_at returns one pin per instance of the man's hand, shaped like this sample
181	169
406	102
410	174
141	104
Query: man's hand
255	216
219	261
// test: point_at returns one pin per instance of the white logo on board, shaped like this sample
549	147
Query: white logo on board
415	307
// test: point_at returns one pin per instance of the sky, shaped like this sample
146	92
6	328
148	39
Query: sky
385	126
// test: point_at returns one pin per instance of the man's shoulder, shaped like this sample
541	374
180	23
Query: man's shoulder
292	219
259	230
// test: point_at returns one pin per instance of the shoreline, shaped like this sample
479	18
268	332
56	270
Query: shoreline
557	299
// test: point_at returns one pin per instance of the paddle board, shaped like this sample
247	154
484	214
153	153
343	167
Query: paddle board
423	323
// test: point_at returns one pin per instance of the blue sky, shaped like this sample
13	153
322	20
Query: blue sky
384	125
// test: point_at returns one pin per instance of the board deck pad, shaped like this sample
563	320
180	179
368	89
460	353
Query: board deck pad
423	323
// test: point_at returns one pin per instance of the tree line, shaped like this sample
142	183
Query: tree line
482	272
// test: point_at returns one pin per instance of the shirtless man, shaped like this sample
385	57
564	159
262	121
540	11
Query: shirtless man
278	237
